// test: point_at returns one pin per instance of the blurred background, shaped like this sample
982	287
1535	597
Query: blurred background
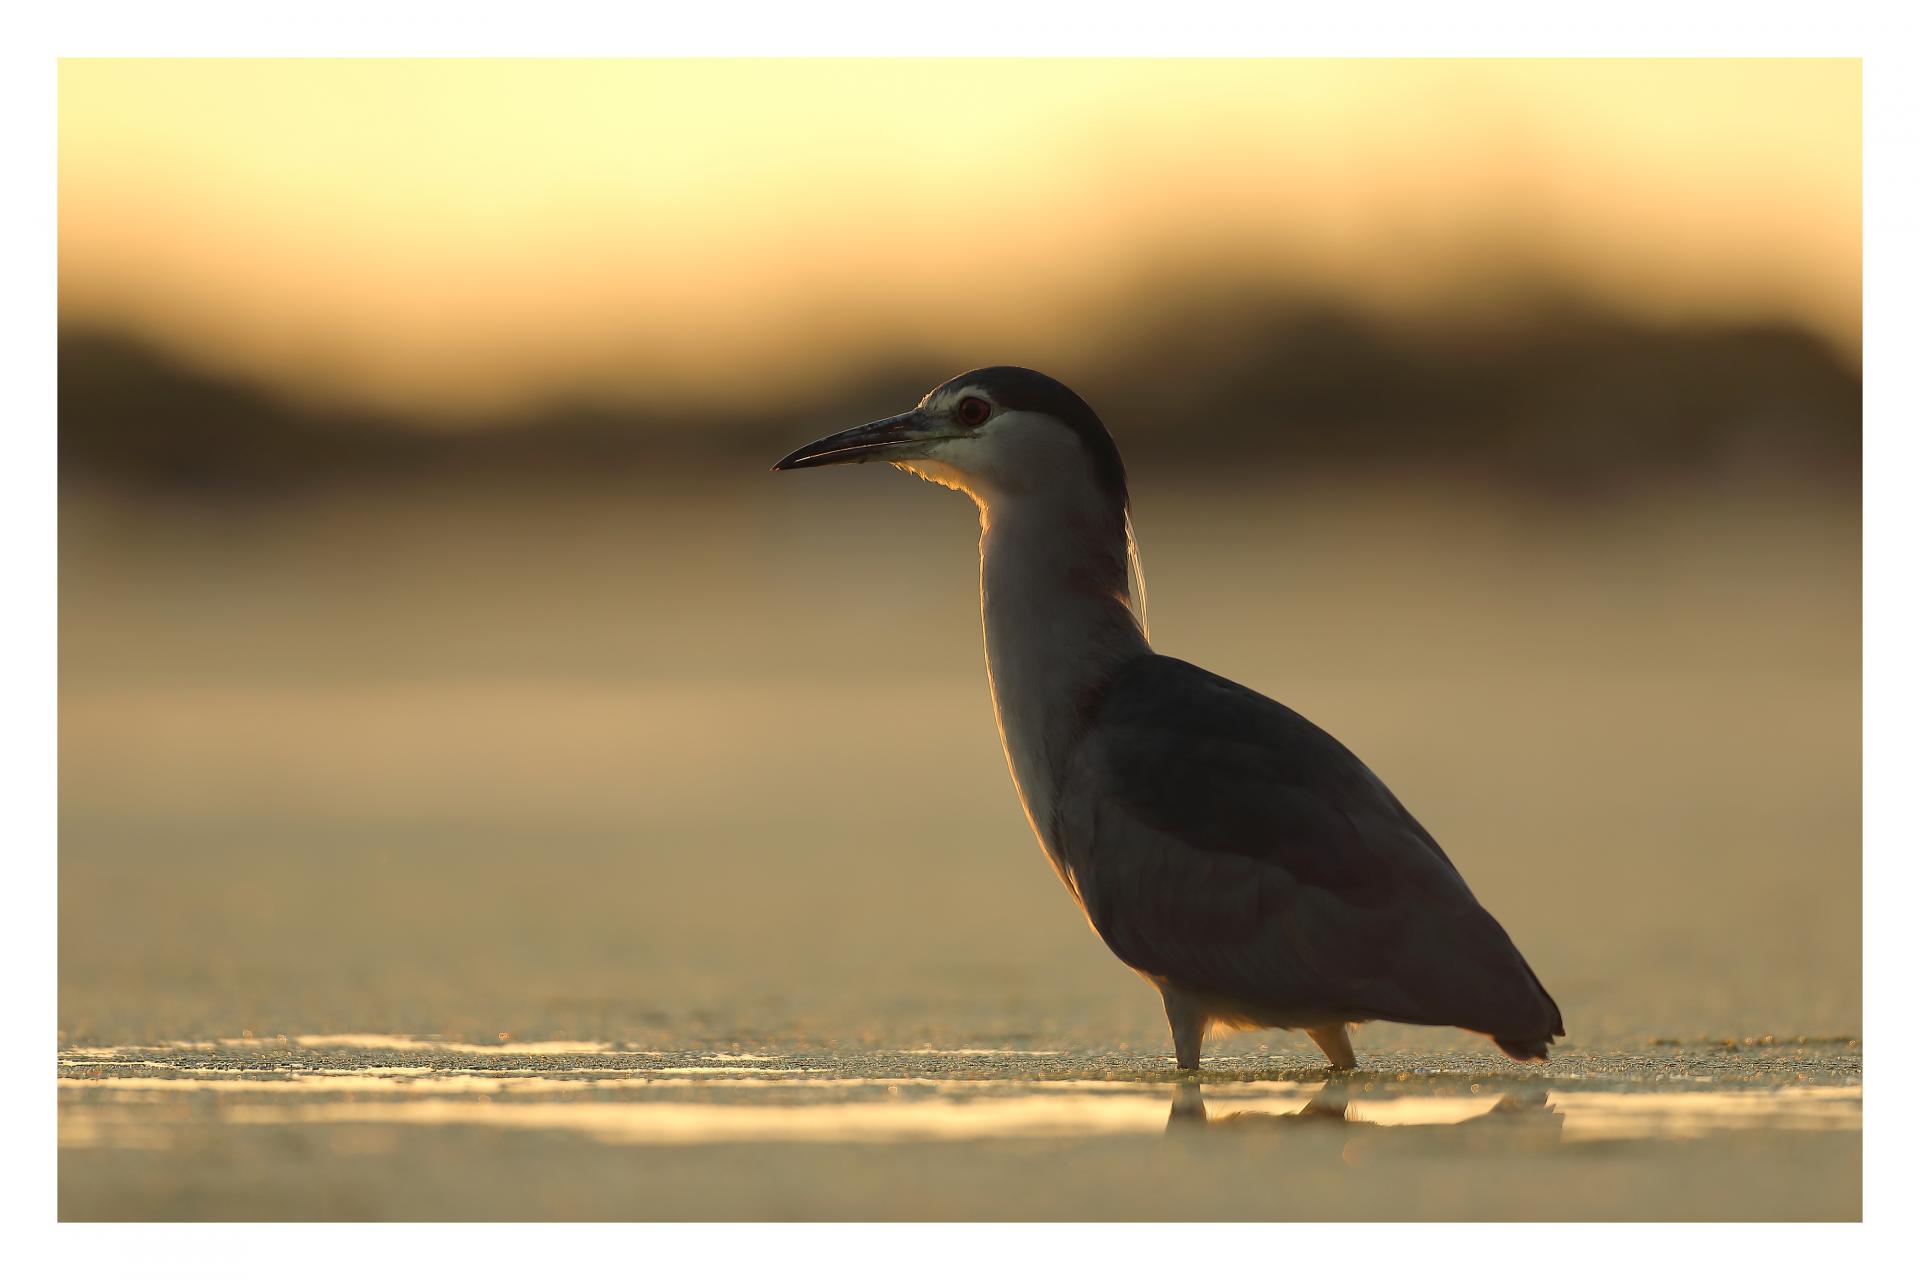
439	656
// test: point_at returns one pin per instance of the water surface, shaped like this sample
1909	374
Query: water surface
287	1128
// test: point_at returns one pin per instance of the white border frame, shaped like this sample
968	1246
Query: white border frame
985	27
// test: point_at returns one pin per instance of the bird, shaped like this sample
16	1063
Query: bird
1225	848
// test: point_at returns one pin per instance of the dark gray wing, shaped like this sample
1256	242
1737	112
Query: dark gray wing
1218	839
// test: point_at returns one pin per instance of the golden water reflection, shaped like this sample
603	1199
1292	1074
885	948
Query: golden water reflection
148	1099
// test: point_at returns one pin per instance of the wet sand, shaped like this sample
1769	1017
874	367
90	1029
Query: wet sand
397	1127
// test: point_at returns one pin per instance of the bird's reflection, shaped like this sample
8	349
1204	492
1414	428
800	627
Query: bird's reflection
1519	1113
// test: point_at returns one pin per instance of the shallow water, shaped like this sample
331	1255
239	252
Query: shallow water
302	1126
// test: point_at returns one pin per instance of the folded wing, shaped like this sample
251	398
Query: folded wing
1222	841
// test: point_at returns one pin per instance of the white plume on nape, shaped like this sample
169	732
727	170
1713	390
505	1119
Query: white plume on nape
1136	578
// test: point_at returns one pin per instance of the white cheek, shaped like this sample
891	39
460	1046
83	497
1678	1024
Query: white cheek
1007	454
970	455
990	450
965	464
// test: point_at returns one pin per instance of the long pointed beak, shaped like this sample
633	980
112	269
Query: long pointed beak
894	437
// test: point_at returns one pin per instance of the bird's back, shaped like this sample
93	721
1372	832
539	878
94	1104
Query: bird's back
1224	843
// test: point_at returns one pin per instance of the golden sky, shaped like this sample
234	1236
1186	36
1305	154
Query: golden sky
467	237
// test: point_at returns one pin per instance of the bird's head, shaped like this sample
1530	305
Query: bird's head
992	433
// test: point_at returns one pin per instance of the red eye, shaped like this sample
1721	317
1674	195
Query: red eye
973	411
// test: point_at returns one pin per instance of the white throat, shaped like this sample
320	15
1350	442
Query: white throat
1059	614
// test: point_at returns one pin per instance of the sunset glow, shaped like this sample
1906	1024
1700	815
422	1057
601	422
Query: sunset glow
467	237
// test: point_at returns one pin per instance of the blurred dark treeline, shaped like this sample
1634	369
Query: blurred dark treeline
1568	398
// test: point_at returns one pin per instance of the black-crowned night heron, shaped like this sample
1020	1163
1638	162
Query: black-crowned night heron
1227	850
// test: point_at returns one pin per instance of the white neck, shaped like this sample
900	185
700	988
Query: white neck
1059	617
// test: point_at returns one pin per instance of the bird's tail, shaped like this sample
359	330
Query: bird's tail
1533	1048
1525	1050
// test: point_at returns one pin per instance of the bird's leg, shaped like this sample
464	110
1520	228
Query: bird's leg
1189	1023
1333	1042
